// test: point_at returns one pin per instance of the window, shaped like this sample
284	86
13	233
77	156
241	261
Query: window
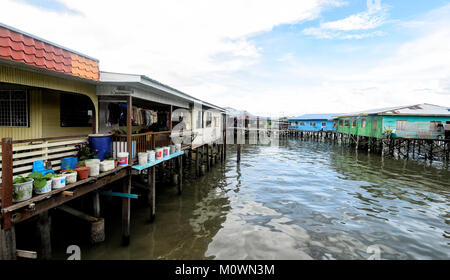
347	123
293	123
335	124
302	124
324	124
435	125
312	124
76	110
363	123
401	125
341	122
354	123
14	108
374	125
208	119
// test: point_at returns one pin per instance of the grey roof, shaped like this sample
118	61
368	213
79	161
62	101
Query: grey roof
423	109
117	78
315	117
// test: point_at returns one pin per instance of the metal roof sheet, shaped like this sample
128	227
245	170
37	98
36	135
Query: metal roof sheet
423	109
315	116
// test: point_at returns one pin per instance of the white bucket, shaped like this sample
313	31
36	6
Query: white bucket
92	161
107	165
122	158
22	191
151	155
71	177
94	169
159	153
173	149
166	152
46	189
59	182
178	148
143	158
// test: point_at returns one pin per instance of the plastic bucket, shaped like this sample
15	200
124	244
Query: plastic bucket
151	156
173	149
122	158
102	143
178	148
159	153
59	182
94	169
22	191
143	158
71	177
166	151
69	163
107	165
46	189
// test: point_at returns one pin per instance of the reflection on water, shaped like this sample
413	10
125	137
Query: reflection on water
302	200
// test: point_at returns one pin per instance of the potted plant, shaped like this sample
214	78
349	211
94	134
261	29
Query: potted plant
84	151
58	181
82	171
71	176
42	183
22	188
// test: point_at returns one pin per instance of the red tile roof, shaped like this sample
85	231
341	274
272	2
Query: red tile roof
18	47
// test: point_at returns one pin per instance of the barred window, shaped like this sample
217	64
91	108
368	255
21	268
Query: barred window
401	125
324	124
363	123
302	123
14	108
312	124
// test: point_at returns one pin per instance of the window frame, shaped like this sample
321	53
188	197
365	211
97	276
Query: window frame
27	108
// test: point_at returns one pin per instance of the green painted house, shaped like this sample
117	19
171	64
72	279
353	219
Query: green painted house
425	121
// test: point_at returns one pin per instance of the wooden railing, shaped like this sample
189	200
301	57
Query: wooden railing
25	152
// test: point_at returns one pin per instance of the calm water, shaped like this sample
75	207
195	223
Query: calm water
302	200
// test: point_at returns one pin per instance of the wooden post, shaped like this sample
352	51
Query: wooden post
151	192
96	198
208	160
238	153
170	118
126	211
44	232
129	129
197	160
7	234
180	175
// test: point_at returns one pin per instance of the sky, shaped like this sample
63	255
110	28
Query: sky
271	58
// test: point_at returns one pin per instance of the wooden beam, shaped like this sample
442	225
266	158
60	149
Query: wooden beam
151	192
126	212
44	233
129	129
26	254
7	177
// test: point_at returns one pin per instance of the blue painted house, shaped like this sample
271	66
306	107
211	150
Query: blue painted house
313	122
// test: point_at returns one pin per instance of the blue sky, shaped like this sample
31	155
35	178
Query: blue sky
269	57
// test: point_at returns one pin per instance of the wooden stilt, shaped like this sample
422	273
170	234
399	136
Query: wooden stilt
180	175
238	153
151	193
126	211
8	249
44	233
96	201
197	162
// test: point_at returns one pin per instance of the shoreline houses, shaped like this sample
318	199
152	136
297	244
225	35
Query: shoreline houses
419	121
313	122
53	98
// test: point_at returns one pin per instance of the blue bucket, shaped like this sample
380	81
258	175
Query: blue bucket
102	143
69	163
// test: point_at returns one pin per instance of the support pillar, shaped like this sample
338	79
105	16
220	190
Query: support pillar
126	211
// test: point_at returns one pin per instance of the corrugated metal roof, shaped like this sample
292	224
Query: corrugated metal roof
315	117
22	48
423	109
117	78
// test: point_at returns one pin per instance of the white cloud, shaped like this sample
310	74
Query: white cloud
375	16
171	41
